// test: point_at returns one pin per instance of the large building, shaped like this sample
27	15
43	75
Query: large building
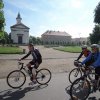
56	37
80	40
19	32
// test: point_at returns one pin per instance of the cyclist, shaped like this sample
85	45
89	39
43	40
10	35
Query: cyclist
36	61
94	60
84	52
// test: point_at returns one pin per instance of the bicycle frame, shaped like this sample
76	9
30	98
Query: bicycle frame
24	68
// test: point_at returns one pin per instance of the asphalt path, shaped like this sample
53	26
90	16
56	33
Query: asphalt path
54	90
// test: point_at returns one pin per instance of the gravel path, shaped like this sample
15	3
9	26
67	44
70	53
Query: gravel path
56	61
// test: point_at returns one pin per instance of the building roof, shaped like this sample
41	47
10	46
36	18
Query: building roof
18	16
21	24
57	33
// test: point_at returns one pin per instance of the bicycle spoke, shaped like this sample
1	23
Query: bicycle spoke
16	79
43	76
80	89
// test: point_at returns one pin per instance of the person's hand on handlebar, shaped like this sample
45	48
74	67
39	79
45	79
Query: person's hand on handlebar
80	65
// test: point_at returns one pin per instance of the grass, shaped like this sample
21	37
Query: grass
50	46
71	49
10	50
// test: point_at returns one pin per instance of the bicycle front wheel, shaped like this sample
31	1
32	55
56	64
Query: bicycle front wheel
74	74
16	79
43	76
80	89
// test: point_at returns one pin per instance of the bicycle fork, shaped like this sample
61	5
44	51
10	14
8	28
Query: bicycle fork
76	74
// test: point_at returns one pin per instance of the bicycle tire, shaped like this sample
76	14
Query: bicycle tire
11	74
71	80
91	76
40	75
83	90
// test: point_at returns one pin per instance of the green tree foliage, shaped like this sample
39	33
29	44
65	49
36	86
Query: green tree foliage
97	14
95	36
38	40
1	4
2	20
34	40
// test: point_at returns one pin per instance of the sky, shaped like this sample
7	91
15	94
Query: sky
72	16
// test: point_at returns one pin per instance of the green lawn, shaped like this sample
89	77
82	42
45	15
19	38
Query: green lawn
10	50
72	49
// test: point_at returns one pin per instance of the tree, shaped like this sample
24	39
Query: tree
32	39
38	39
97	14
95	36
2	20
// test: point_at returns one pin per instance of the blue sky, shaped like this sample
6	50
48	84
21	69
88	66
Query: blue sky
73	16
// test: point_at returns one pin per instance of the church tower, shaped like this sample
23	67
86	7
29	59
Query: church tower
18	19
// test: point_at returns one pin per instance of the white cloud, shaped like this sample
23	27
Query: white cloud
76	3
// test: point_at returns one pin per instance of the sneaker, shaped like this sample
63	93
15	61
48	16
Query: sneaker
32	83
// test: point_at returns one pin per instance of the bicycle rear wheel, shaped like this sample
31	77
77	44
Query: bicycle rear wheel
74	74
16	79
43	76
80	89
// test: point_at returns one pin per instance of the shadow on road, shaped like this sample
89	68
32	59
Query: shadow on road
67	89
12	94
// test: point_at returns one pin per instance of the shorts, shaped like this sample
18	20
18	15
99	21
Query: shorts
34	62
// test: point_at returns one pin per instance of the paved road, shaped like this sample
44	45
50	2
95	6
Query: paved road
55	90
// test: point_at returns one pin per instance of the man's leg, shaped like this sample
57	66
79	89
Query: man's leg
31	69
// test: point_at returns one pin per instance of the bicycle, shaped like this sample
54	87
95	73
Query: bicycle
77	72
17	78
82	87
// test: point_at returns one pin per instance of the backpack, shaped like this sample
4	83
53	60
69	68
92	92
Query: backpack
38	54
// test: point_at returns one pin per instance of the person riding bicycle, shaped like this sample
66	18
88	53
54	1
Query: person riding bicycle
36	61
84	52
94	59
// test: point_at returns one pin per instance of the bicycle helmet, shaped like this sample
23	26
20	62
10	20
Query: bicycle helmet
84	46
95	46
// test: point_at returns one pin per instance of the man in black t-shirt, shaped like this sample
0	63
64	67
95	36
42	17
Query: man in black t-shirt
36	61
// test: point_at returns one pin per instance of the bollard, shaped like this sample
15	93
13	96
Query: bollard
24	50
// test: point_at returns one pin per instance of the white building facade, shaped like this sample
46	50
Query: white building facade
56	37
19	32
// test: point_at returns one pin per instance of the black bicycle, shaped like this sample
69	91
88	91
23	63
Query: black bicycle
78	72
82	87
17	78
